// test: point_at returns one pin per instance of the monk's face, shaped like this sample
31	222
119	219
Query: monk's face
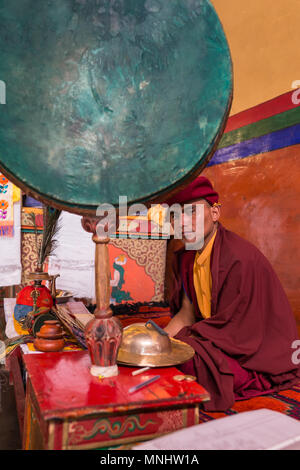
192	222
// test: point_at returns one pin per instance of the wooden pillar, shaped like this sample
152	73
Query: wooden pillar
104	333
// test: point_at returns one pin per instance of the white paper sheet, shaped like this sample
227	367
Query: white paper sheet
10	253
252	430
9	305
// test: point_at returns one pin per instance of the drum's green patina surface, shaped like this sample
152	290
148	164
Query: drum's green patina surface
110	97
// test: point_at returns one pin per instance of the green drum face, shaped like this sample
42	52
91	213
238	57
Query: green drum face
110	97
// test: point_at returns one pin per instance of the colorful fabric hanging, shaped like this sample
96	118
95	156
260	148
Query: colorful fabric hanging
9	194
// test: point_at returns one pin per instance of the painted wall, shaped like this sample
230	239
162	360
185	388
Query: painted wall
264	38
256	171
260	186
256	168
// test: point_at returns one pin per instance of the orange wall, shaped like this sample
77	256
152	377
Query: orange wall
264	39
260	202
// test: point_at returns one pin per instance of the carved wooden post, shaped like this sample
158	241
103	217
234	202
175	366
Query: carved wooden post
103	333
102	277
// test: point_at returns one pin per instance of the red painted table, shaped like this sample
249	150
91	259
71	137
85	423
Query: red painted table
67	408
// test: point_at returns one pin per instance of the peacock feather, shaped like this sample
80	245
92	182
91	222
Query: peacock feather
48	243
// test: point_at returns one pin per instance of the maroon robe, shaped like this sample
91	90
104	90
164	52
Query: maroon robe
245	348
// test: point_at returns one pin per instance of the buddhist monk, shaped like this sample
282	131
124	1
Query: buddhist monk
228	304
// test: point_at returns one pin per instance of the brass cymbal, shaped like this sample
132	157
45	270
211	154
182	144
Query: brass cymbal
145	346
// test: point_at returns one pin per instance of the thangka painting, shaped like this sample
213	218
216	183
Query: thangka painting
137	270
137	253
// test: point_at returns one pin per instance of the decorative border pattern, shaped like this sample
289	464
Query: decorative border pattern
121	430
150	254
29	254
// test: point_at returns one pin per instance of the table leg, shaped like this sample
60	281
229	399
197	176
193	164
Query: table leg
14	366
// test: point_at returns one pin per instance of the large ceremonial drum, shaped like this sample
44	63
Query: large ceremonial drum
110	97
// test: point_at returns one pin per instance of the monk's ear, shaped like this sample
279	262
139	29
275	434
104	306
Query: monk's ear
215	213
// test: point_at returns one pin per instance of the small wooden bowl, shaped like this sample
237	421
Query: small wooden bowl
50	329
50	337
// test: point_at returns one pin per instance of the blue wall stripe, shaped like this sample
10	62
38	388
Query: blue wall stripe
265	143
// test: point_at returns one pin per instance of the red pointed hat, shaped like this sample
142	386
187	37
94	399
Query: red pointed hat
200	188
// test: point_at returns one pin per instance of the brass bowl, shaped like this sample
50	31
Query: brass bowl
38	276
62	297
